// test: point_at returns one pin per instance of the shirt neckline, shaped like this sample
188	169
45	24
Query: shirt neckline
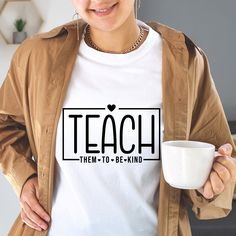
94	55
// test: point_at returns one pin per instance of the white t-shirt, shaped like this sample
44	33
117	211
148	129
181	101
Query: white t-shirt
115	103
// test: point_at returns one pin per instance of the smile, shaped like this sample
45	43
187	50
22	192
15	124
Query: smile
104	11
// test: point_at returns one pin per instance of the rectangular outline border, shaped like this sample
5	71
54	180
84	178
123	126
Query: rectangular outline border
67	108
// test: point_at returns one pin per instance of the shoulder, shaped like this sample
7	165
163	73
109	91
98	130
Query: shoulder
176	38
198	64
43	44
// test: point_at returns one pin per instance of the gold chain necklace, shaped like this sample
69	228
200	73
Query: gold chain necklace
134	46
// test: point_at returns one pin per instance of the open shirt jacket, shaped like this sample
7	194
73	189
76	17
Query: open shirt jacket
31	99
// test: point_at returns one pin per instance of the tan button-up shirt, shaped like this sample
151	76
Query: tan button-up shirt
31	99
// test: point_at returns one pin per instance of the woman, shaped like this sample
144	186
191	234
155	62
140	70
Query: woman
108	62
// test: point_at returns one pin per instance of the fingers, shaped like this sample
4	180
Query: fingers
201	190
29	222
213	186
226	149
32	216
33	210
222	172
216	183
207	190
228	163
36	207
30	205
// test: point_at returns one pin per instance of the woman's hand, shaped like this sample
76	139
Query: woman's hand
223	173
32	213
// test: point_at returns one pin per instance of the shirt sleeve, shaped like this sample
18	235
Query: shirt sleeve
209	124
16	161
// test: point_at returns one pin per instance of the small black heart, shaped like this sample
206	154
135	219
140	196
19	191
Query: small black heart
111	107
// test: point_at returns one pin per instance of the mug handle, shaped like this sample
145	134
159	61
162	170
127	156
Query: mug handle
217	154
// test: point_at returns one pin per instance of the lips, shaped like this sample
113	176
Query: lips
103	9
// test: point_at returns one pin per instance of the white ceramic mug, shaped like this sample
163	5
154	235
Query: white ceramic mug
187	164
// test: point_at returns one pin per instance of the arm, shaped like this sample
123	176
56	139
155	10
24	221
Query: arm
209	124
16	161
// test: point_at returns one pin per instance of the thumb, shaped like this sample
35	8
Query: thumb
226	149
